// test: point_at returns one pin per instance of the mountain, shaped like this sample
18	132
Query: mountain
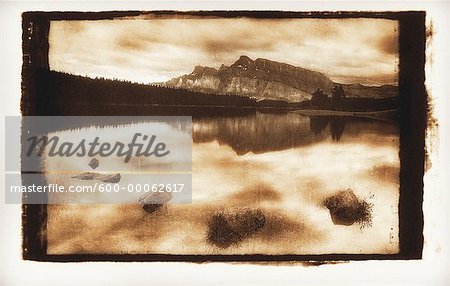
359	90
266	79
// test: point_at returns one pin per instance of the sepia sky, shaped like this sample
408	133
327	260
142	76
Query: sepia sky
153	50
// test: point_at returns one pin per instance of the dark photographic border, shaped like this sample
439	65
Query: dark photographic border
413	111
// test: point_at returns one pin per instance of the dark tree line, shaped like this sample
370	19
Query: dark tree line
339	101
56	87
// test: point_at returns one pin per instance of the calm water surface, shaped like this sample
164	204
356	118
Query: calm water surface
285	164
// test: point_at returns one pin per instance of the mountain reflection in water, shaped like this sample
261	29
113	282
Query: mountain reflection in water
264	132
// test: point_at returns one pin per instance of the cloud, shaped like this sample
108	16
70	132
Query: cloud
150	50
389	44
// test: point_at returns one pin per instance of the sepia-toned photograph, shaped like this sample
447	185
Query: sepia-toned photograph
300	142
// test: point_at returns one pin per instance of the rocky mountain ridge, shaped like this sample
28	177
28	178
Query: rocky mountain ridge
266	79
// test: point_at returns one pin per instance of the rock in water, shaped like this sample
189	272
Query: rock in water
94	163
346	209
115	178
111	178
227	228
86	176
153	201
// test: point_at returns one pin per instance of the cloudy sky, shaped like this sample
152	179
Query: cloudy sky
154	50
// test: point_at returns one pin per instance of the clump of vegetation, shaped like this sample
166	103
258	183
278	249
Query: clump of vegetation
347	209
226	228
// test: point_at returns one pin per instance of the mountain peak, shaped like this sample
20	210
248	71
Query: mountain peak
243	61
200	70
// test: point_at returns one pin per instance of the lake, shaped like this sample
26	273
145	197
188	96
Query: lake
284	165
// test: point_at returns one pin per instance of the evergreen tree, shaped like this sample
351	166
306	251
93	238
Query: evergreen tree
338	92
